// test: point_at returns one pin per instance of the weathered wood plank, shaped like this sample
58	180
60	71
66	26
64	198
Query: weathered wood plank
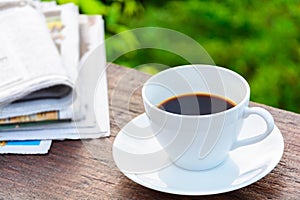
85	169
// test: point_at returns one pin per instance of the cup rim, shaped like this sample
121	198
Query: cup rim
237	106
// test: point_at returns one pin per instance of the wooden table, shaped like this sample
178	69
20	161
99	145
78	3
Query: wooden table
71	171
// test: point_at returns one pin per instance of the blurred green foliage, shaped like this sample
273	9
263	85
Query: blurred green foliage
258	39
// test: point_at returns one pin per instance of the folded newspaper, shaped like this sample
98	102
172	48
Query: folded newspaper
47	51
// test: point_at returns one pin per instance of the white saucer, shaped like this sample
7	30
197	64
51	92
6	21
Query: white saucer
243	167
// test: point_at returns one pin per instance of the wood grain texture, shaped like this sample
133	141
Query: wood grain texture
85	169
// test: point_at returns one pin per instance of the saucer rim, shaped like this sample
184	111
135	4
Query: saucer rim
134	176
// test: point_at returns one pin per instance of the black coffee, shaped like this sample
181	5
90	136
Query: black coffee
196	104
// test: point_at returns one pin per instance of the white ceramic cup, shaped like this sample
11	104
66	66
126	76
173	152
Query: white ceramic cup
200	142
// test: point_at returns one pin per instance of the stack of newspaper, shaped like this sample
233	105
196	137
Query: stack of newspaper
52	76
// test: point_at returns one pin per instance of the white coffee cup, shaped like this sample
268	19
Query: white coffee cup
200	142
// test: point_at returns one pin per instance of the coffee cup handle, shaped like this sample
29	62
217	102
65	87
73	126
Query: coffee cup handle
269	122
